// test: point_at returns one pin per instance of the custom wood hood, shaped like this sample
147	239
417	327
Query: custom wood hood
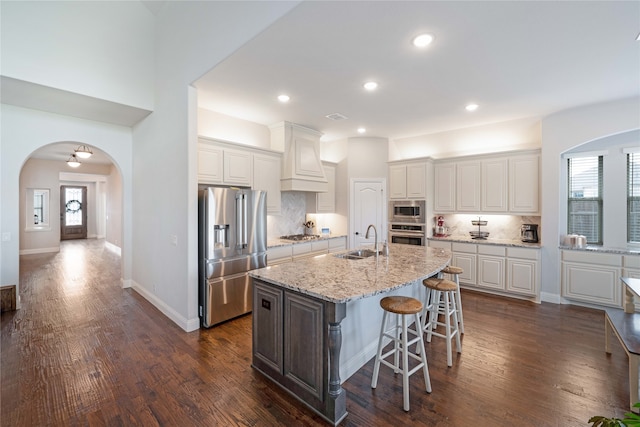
301	166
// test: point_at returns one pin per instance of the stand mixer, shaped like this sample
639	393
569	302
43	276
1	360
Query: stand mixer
440	229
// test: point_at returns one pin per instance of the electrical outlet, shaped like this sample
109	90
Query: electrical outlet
6	236
173	239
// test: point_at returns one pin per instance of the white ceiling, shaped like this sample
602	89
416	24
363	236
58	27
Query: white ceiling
515	59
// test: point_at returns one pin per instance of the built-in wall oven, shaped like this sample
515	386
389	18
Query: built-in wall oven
407	211
408	234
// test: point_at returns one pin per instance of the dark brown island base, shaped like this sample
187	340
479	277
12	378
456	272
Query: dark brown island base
298	308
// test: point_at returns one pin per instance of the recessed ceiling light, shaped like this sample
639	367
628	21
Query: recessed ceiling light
423	40
638	38
371	85
361	130
471	107
283	98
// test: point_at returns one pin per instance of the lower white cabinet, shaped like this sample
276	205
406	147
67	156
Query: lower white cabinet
464	256
523	270
287	253
338	244
491	263
279	254
592	277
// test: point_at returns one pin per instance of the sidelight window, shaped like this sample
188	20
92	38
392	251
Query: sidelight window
37	209
633	197
585	198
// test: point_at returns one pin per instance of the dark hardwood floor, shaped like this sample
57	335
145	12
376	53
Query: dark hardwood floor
83	351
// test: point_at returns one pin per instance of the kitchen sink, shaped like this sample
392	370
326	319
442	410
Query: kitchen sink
357	254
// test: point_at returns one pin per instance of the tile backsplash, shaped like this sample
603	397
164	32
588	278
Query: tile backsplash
291	218
498	226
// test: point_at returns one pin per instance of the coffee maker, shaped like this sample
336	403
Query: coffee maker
529	233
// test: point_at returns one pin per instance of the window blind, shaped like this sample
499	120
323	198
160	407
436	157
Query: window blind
585	198
633	197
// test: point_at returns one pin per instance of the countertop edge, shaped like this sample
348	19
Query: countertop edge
601	249
274	243
494	242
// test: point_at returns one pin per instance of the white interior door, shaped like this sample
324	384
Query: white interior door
367	206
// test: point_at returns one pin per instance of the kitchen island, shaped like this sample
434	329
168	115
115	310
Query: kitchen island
299	308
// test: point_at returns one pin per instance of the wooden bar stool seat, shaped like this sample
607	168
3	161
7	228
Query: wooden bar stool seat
455	272
401	307
441	299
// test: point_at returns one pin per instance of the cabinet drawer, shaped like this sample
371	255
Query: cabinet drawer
337	244
301	249
278	254
440	244
631	261
320	246
491	250
592	258
468	248
523	253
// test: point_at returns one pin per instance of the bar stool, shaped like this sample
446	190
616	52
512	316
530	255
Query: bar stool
454	272
402	307
441	299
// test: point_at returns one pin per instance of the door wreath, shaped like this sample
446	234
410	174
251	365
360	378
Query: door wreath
73	206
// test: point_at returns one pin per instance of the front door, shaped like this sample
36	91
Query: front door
73	212
368	206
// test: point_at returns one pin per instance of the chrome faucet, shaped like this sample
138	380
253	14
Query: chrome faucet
366	236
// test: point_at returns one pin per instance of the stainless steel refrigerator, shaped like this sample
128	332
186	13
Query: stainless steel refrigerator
232	225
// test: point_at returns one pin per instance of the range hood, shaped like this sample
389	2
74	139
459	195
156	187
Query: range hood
301	166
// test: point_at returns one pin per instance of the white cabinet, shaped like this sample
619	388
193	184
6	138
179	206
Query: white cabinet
266	176
445	187
279	254
237	169
209	164
464	256
337	244
592	277
324	202
408	181
523	270
493	192
631	268
491	261
468	186
524	182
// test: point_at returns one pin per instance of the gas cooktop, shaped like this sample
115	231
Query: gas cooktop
298	237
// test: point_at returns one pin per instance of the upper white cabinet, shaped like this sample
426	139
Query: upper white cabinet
223	163
498	184
524	181
266	176
445	187
324	202
237	168
493	188
408	181
209	163
468	186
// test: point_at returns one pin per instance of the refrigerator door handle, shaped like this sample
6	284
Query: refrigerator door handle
241	221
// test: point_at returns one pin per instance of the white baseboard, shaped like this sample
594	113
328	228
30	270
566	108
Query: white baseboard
187	324
114	248
39	251
360	359
549	297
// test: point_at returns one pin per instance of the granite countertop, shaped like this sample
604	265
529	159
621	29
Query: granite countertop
488	241
272	243
340	280
603	249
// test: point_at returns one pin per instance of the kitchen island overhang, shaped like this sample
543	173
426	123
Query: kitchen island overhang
298	308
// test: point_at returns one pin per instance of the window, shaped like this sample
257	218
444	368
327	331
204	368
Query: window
633	197
585	198
37	209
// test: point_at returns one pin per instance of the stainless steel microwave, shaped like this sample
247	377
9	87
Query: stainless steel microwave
407	211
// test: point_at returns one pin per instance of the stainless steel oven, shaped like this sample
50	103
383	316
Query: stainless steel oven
407	211
408	234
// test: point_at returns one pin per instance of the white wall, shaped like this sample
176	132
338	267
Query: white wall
191	38
23	131
562	132
100	49
521	134
113	232
226	128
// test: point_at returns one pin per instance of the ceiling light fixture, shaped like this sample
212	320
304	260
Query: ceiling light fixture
638	38
361	130
73	161
283	98
371	85
83	152
471	107
423	40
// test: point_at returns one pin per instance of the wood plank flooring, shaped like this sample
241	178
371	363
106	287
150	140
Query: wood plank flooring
85	352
